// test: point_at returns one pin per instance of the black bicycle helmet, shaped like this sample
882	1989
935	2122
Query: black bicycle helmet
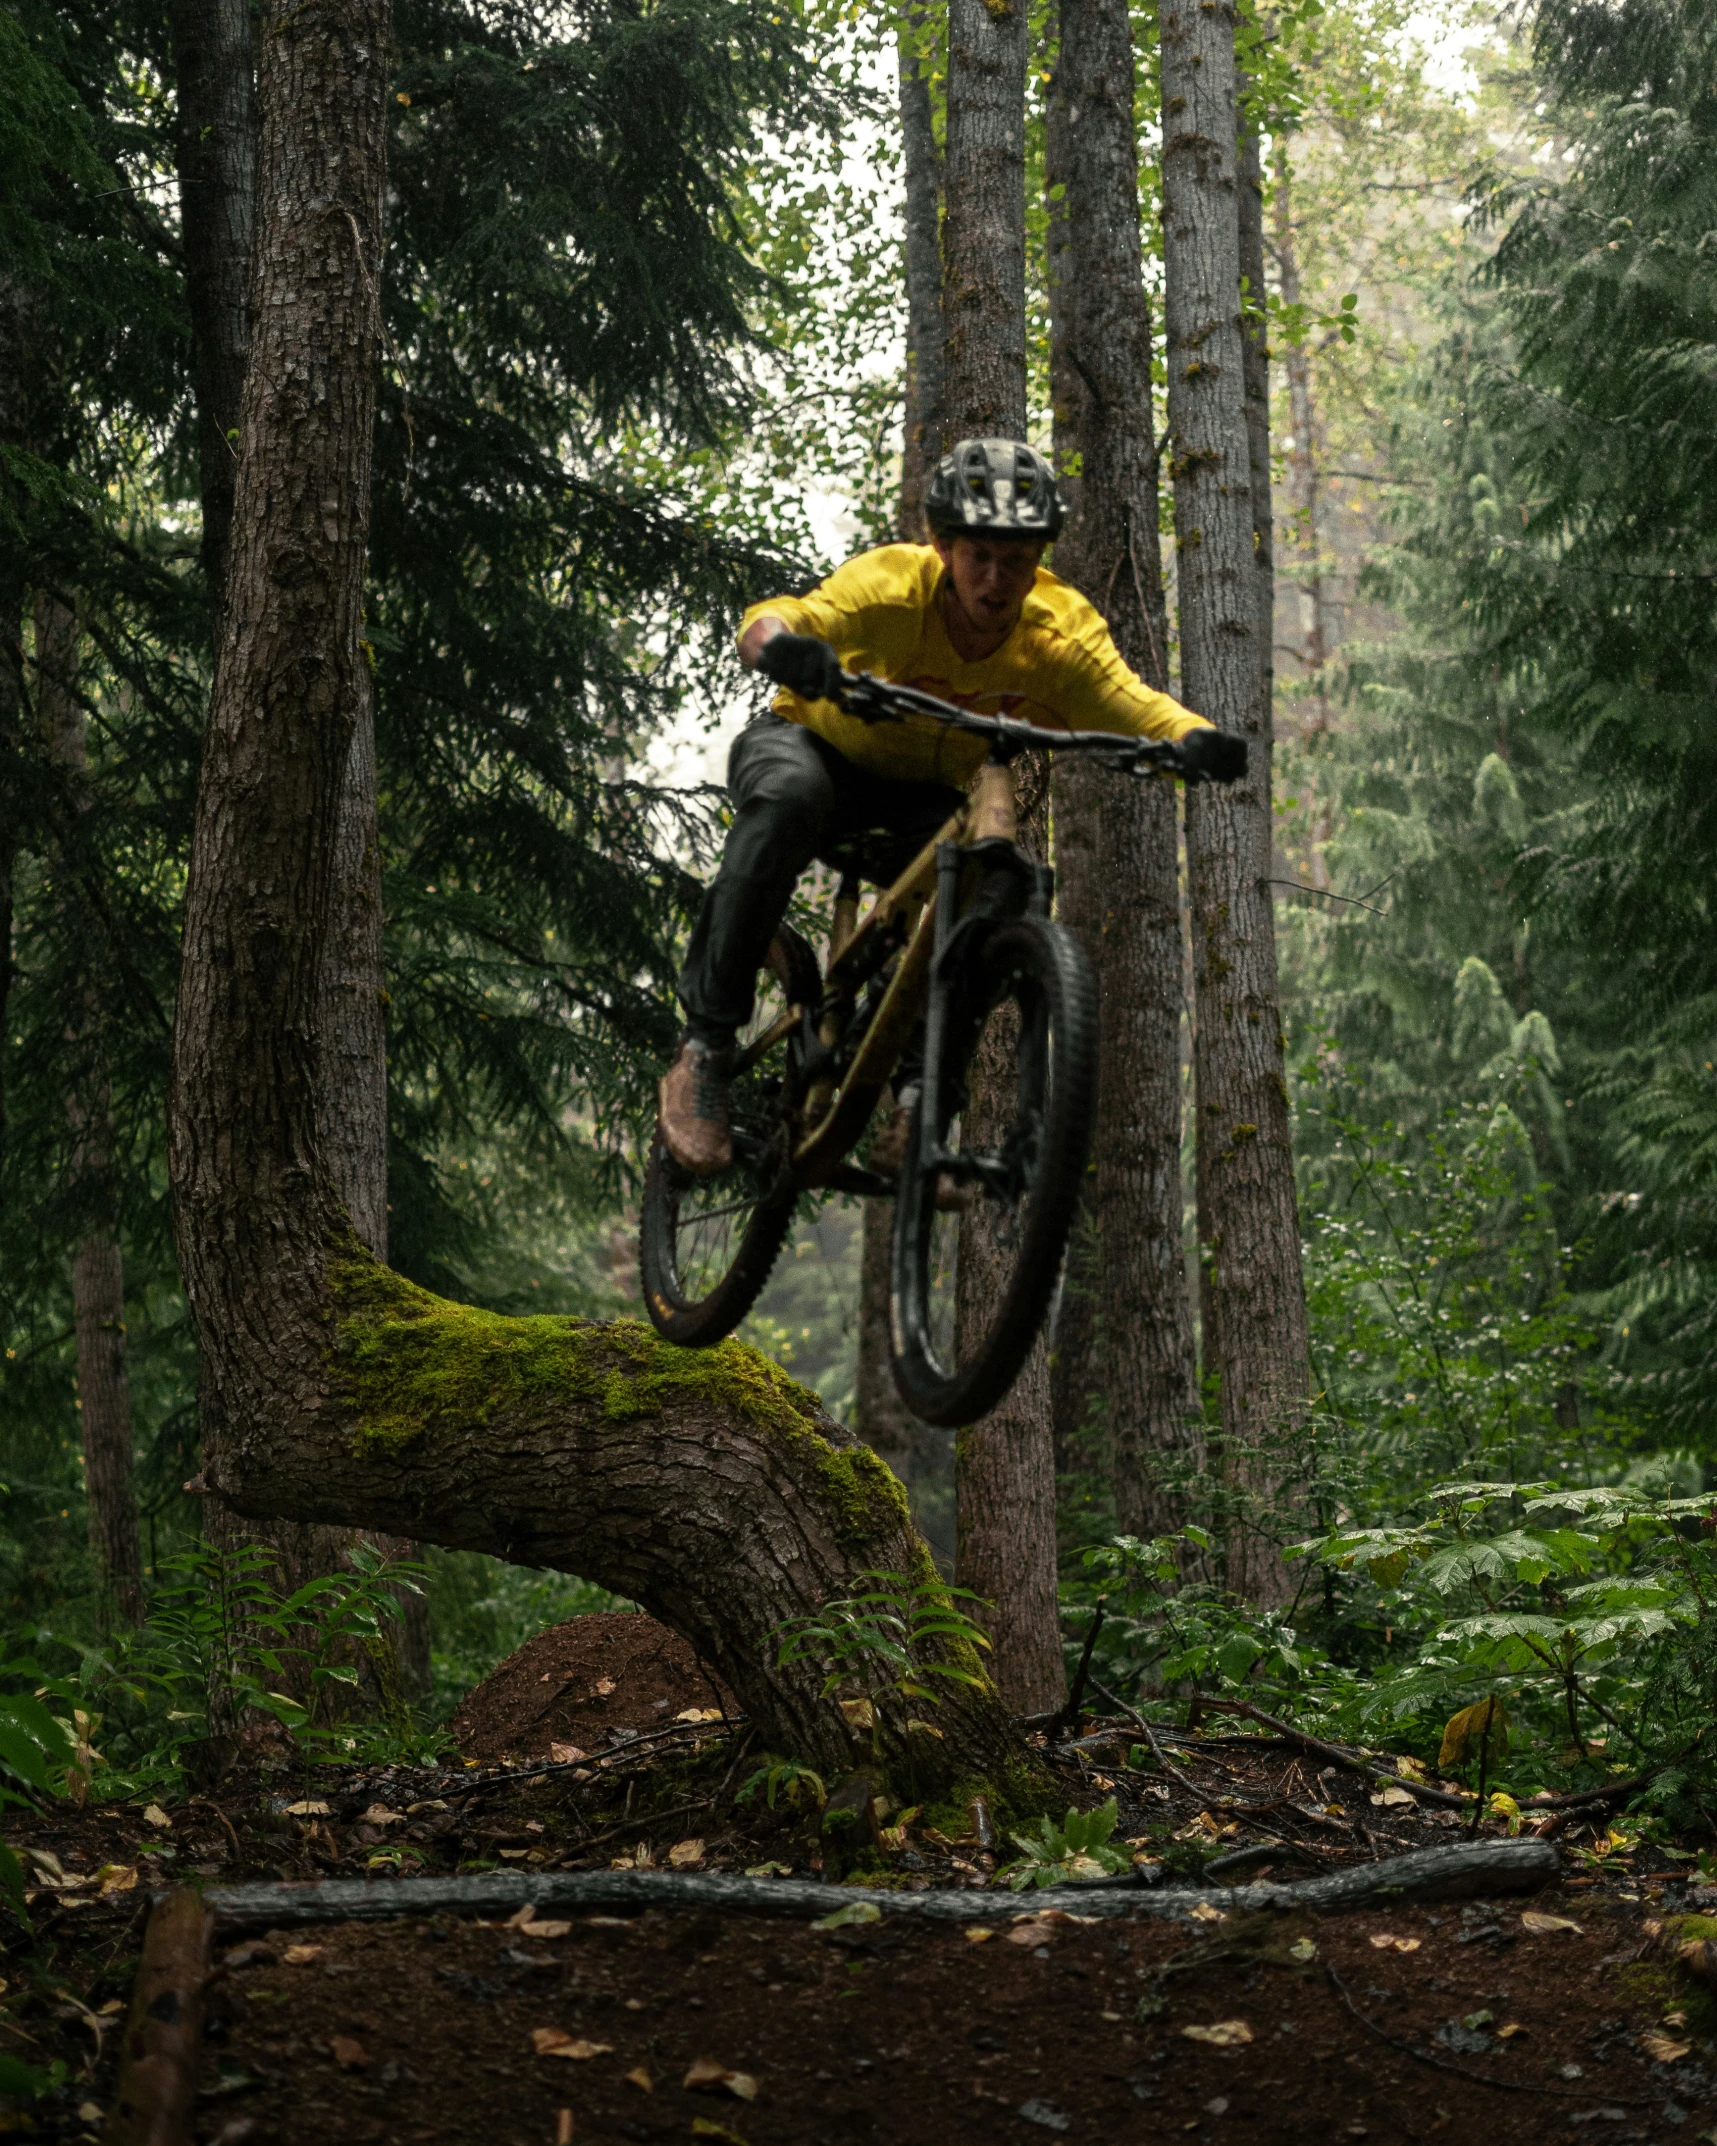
994	488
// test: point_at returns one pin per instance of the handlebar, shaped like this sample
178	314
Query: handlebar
875	700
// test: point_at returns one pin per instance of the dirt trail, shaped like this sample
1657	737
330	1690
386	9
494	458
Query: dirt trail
1425	2021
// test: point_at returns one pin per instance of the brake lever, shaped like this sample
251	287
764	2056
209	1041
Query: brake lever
859	695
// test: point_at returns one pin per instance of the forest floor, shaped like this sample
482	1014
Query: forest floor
603	1742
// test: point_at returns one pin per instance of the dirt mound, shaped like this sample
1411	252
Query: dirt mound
576	1681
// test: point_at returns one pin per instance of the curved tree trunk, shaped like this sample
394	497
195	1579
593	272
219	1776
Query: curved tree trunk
921	431
1117	849
1247	1207
705	1486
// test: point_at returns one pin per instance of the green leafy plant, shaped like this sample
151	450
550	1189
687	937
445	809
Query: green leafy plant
786	1778
36	1752
1077	1848
223	1642
893	1638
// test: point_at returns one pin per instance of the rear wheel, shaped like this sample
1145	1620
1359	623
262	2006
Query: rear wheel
706	1245
971	1288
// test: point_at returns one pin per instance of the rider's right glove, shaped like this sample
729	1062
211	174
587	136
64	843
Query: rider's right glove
1214	755
802	664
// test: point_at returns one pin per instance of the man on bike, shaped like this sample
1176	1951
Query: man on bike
973	617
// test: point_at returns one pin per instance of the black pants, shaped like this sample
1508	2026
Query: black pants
795	799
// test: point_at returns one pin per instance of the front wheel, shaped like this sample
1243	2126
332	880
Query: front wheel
1017	1096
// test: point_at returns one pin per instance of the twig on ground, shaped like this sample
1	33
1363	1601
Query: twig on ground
1503	2086
1349	1761
645	1818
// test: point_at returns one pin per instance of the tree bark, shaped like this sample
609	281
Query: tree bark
98	1265
1304	490
1246	1183
1117	852
921	430
703	1485
1005	1465
983	235
217	183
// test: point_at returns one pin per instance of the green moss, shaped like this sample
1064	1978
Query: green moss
414	1365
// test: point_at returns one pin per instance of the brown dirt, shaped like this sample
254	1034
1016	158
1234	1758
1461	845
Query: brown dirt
883	2033
423	2034
550	1691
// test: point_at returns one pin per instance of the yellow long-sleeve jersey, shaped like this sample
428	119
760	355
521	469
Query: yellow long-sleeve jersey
1058	668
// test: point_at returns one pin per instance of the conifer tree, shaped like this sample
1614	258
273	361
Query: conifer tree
1117	859
1248	1223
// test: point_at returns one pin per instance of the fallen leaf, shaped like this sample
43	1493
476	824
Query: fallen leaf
704	2127
706	2072
844	1918
1383	1942
90	2112
556	2042
106	2011
1204	1912
46	1861
639	2076
566	1754
768	1870
302	1955
348	2054
310	1809
1484	1724
1662	2050
690	1713
1302	1949
1224	2034
378	1814
1392	1796
116	1878
154	1815
1507	2033
543	1930
860	1714
1540	1925
979	1933
1035	1930
604	1686
684	1853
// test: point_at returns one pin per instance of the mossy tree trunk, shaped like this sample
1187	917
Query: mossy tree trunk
706	1487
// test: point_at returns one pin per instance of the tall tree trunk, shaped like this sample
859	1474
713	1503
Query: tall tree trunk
1117	859
921	431
920	1455
1246	1180
217	186
701	1484
1304	492
17	346
983	235
98	1265
1005	1465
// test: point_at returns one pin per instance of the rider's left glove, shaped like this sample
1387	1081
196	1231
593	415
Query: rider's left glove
1215	755
801	663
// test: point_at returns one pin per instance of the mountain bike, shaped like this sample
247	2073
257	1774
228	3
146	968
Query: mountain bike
963	943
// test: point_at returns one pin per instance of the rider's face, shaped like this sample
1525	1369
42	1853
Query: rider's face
992	576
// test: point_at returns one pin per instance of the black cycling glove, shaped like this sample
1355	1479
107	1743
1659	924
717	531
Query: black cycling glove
802	664
1214	755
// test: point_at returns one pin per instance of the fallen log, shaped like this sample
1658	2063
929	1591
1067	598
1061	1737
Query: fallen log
1518	1866
157	2093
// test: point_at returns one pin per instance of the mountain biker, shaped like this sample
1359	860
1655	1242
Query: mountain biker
973	617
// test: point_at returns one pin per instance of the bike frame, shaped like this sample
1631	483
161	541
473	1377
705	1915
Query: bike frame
918	917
